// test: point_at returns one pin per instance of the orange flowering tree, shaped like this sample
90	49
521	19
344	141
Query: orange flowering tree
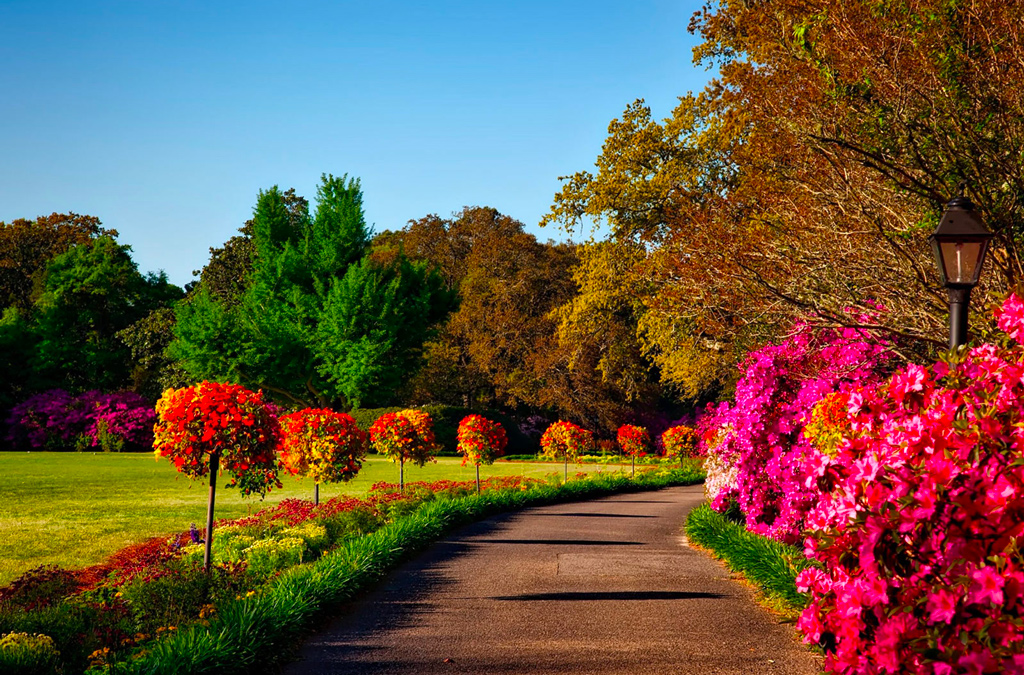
212	425
565	441
321	444
634	441
480	441
406	435
680	441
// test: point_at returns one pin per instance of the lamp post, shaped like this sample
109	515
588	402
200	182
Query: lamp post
960	243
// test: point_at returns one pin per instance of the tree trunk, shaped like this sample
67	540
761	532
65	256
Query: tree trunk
401	474
632	461
316	494
214	468
566	480
478	479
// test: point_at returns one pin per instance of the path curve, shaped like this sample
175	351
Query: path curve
605	587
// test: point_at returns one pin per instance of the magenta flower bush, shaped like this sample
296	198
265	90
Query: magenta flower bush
55	420
920	536
756	455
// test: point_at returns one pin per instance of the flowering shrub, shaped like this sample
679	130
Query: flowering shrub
634	440
55	420
323	445
919	535
406	435
565	440
680	441
481	441
220	419
755	452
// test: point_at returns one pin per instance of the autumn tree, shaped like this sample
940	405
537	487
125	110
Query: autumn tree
806	178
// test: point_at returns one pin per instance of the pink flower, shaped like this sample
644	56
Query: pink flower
941	606
986	586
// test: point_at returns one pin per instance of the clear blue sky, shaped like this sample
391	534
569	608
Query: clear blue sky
164	119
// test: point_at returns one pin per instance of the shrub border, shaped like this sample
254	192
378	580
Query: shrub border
248	634
768	564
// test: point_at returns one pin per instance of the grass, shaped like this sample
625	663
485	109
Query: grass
249	633
769	565
75	509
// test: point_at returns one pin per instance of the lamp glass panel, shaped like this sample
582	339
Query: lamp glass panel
961	260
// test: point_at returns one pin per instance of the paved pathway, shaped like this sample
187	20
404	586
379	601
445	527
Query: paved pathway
600	587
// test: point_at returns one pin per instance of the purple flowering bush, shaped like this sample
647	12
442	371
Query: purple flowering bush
57	421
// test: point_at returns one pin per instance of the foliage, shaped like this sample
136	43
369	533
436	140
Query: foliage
314	316
918	537
481	441
323	445
54	420
565	440
635	441
89	294
806	177
24	654
446	419
770	564
754	446
406	435
27	247
680	441
225	420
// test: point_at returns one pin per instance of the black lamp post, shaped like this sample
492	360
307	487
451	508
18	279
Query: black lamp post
960	243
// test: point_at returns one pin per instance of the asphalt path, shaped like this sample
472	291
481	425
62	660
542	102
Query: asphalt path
605	587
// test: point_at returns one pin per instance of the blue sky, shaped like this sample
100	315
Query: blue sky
165	119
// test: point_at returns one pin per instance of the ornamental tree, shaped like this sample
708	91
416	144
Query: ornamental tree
565	440
635	442
200	427
480	441
680	441
406	435
323	445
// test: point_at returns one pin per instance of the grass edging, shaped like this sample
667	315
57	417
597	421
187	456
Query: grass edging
250	632
770	565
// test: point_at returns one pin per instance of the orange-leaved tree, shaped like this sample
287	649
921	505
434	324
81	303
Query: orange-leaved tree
635	442
324	445
565	440
680	441
406	435
480	441
201	427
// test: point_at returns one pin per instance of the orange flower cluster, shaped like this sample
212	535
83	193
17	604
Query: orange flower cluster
565	440
323	445
405	436
223	419
481	441
634	440
680	441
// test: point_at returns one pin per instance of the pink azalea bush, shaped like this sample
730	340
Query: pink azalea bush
756	456
55	420
919	534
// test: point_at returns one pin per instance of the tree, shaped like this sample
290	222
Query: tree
322	319
89	294
805	179
27	246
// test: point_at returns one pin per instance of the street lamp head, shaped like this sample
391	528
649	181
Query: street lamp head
960	243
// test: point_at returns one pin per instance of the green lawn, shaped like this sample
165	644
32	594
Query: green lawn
74	509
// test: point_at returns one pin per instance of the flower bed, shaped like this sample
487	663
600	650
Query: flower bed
106	613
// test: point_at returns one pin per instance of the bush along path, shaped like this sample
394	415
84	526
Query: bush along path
602	587
150	608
